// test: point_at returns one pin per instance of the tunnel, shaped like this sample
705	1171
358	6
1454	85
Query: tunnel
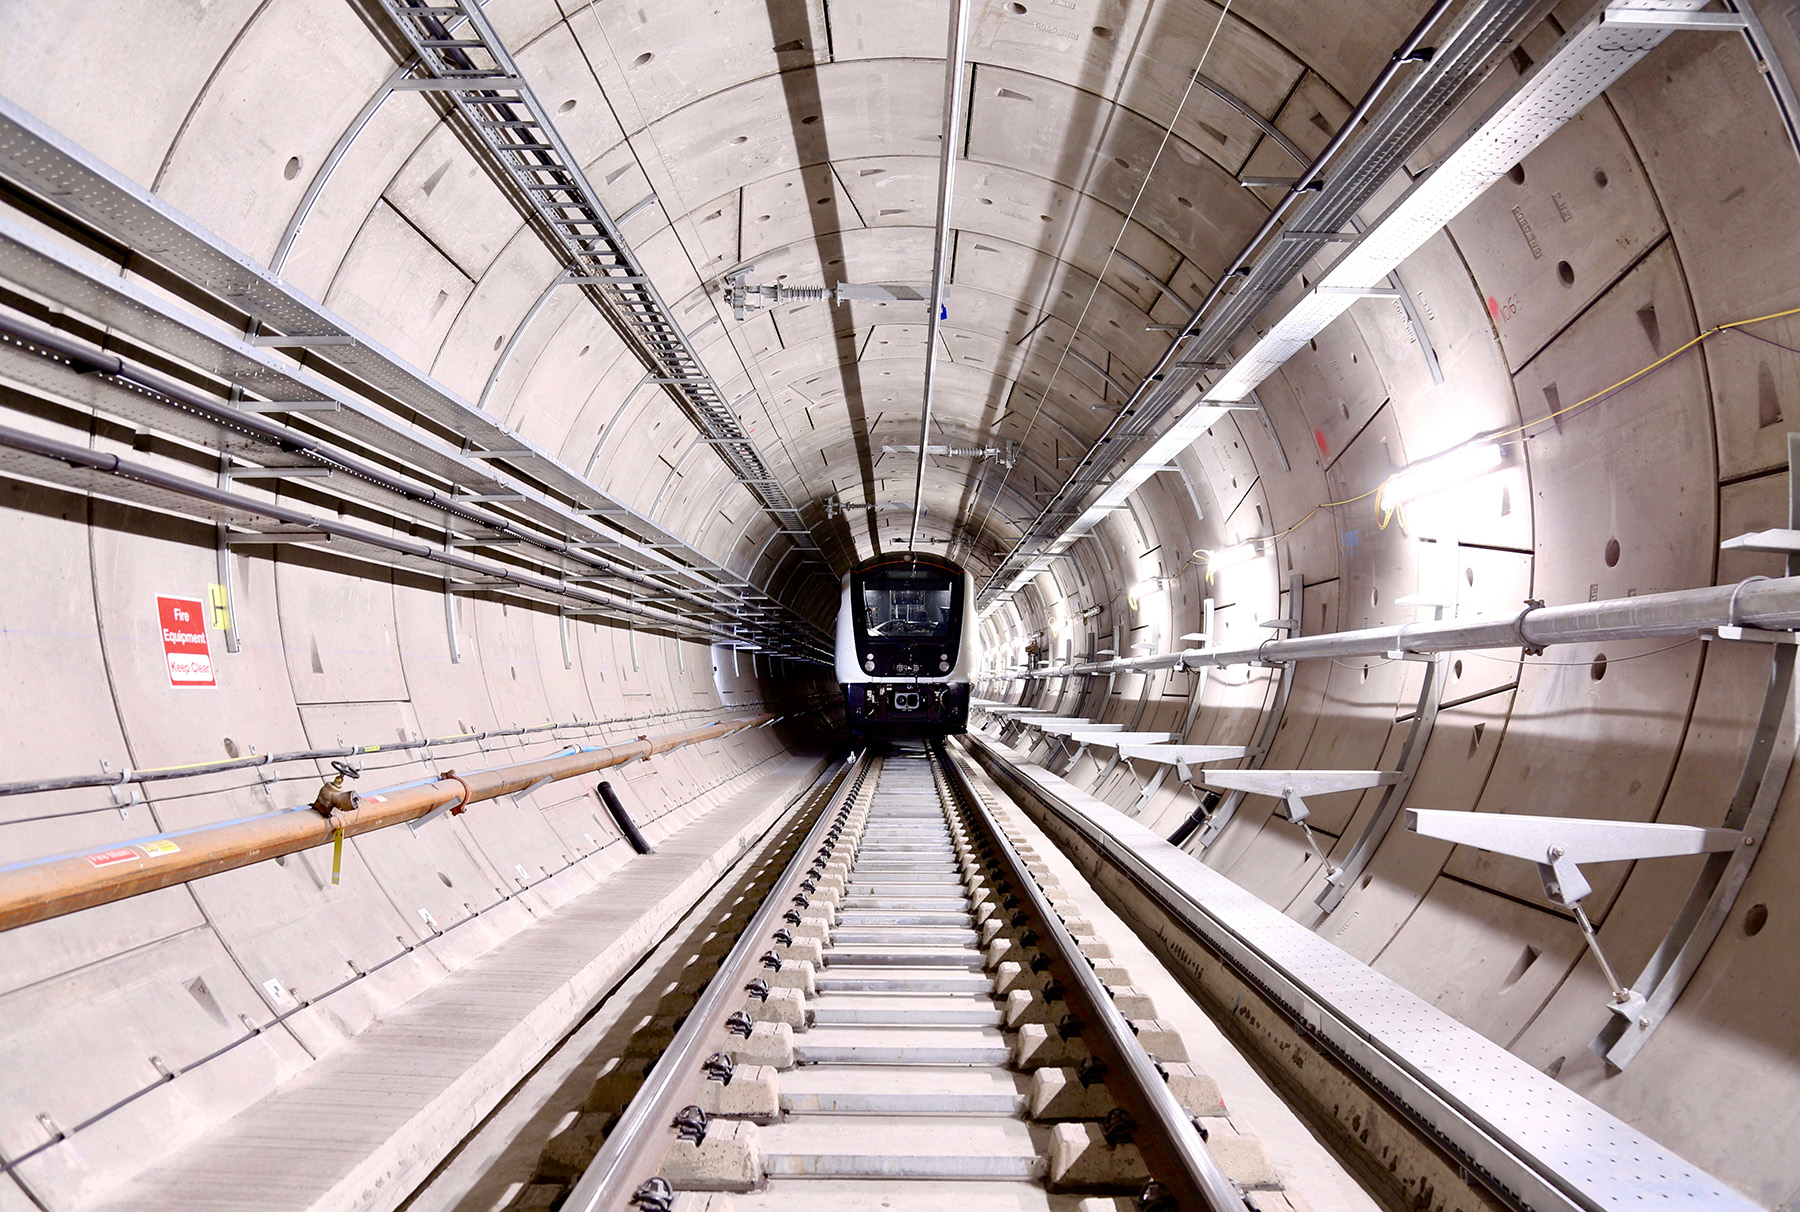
438	439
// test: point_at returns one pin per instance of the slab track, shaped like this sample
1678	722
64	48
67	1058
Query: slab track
934	1027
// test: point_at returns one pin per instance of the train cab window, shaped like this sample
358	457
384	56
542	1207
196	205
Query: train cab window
908	603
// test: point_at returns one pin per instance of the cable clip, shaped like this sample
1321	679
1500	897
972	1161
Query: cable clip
654	1195
718	1068
690	1124
1118	1127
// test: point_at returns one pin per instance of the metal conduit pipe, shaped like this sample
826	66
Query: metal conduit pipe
157	774
1412	50
1758	603
78	456
37	889
622	819
88	360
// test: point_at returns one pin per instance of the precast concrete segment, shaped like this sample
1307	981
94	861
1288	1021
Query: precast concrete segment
36	889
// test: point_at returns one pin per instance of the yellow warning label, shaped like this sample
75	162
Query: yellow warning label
159	847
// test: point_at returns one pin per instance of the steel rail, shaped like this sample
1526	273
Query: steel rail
1178	1159
1435	1090
41	888
1760	603
955	89
639	1141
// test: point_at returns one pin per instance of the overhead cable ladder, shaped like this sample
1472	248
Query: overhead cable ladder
1423	85
472	71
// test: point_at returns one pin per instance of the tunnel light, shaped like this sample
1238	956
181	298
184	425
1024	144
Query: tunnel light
1143	591
1448	470
1231	557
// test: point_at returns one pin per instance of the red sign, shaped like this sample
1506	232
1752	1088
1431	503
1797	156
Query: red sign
182	622
107	858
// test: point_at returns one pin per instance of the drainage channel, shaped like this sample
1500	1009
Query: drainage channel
934	1027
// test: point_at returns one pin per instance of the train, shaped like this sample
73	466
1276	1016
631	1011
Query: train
908	646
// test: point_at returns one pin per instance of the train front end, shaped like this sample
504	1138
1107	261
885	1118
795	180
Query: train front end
906	646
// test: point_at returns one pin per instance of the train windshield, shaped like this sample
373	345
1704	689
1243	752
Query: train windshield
912	602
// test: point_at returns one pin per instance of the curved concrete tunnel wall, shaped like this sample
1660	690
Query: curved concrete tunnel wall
1663	210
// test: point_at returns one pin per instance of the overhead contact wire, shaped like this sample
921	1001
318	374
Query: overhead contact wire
1074	332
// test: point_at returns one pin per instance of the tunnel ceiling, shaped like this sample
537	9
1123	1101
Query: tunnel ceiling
798	138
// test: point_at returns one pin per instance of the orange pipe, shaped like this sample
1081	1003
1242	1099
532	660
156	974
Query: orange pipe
51	887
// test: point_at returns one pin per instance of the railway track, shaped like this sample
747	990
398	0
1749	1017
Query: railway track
914	1019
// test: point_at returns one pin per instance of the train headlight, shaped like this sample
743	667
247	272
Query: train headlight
869	664
943	660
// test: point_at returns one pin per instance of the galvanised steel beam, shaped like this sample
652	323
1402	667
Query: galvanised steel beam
1340	182
475	76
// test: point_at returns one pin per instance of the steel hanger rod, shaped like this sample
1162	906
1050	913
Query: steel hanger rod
955	92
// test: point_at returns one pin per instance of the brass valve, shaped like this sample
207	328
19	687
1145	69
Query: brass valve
333	795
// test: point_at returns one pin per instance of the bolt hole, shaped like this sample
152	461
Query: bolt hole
809	120
584	351
1375	597
566	106
642	59
1600	178
1469	575
742	139
446	880
292	168
1017	8
1184	202
1598	669
498	342
1612	553
1100	31
1456	668
231	747
1516	174
1566	272
1755	918
1121	162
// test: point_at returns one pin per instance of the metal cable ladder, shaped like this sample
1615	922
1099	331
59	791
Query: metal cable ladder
474	72
1444	79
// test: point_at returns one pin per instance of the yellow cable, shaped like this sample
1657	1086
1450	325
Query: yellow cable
1660	362
1386	513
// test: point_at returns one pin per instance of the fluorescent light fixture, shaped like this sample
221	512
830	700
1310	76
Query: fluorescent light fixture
1231	557
1451	469
1146	589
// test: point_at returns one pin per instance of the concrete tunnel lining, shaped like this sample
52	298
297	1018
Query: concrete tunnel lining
799	139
